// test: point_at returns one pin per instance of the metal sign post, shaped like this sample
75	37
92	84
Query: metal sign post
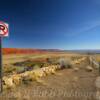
1	85
3	33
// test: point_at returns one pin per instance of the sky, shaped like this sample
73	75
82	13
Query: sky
52	24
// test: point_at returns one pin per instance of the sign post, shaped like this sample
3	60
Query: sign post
3	33
1	86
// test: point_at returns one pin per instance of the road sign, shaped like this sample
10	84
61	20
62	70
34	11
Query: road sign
4	29
4	32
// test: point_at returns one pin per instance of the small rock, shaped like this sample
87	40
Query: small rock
89	68
76	69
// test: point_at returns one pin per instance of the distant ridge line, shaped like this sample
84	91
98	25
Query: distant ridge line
28	51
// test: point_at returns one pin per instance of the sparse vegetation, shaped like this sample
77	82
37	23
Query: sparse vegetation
65	63
27	73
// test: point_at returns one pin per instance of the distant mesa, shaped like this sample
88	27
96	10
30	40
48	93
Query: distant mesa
26	51
20	51
29	51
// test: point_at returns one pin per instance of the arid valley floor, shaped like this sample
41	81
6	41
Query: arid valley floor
77	82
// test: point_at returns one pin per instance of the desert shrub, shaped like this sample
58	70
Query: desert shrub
25	63
36	66
29	64
9	69
20	70
65	63
52	61
49	60
73	58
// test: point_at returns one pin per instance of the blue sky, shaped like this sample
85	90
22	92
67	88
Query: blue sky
52	24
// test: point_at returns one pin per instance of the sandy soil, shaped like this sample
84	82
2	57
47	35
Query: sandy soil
67	84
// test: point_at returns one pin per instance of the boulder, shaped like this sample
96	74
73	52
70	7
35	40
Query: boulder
38	73
17	79
89	68
8	82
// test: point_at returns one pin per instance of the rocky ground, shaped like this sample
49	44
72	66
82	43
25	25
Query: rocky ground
76	83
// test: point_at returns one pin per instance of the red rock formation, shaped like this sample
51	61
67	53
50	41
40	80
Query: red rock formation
21	51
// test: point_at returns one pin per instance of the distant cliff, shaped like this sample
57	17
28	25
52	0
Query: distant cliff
27	51
21	51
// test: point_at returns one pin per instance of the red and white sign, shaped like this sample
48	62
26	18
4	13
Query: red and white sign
4	29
